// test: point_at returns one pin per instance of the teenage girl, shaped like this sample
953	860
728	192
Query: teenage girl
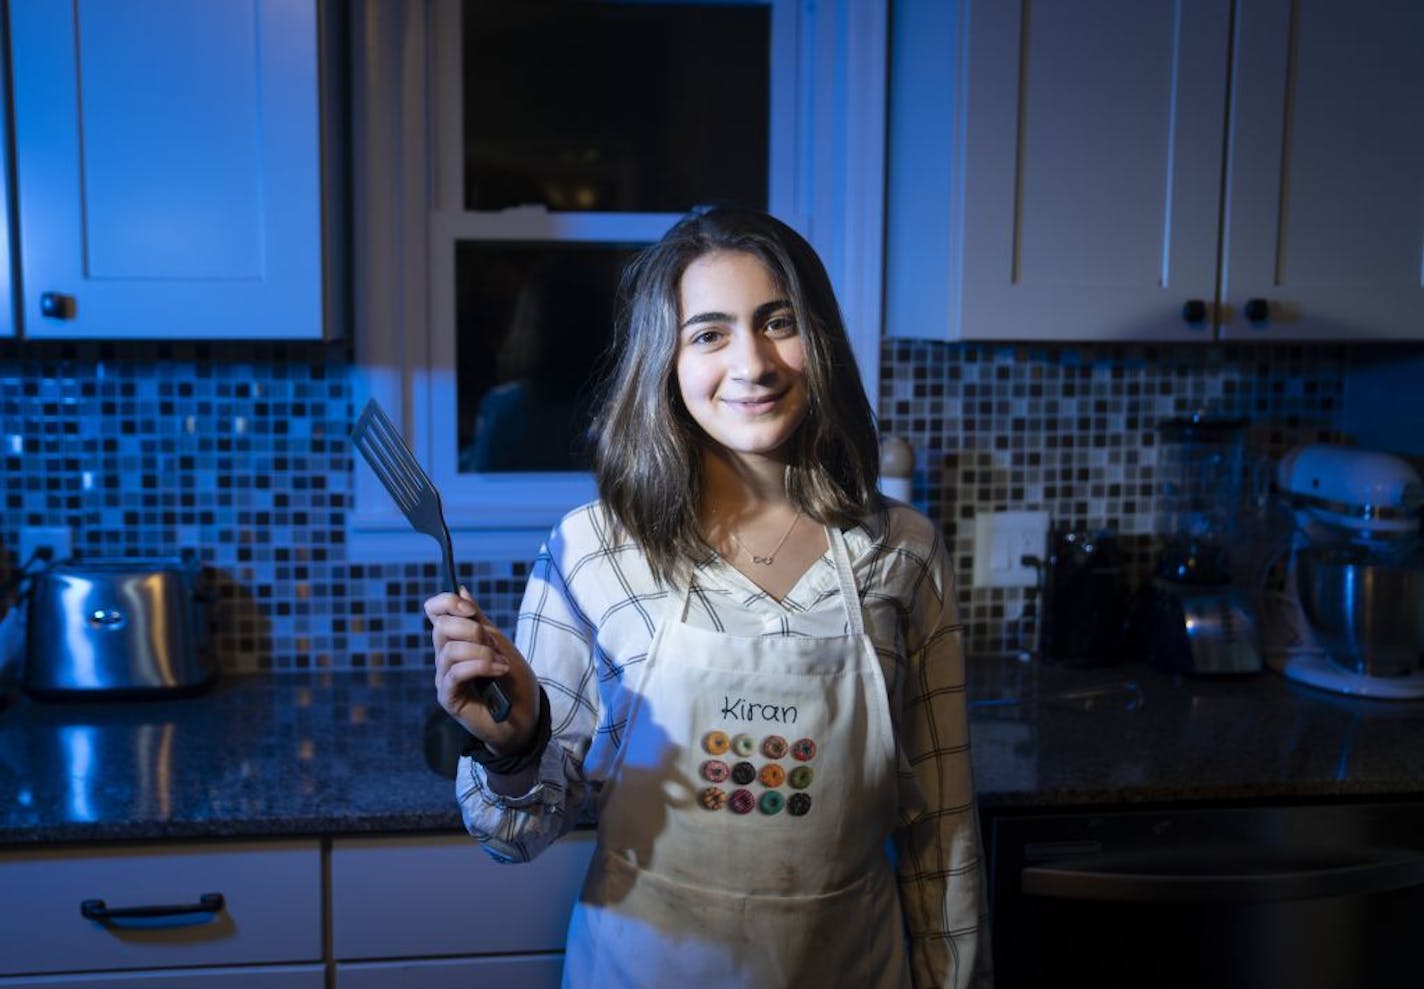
741	661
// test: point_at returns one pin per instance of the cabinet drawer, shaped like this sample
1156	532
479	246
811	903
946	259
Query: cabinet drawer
411	897
527	972
271	912
247	977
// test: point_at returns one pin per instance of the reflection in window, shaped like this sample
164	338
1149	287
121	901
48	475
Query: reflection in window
533	323
615	107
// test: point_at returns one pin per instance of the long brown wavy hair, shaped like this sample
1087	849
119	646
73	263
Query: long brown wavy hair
648	449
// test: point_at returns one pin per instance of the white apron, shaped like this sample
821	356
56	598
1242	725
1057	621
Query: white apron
743	824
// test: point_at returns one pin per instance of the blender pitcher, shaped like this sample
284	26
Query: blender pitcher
1200	483
1189	617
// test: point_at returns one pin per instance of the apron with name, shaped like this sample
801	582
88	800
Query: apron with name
742	827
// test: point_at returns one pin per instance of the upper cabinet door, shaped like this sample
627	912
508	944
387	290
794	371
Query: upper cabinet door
1092	149
1324	212
7	260
168	167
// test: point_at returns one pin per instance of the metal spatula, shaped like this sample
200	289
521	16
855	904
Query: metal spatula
396	467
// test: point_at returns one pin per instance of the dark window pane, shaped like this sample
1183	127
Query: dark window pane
615	107
533	322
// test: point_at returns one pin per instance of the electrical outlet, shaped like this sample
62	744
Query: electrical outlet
33	537
1001	541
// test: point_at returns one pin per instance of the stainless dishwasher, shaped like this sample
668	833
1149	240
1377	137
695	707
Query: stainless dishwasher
1294	897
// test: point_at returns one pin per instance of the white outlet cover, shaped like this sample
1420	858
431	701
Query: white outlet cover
56	537
1001	540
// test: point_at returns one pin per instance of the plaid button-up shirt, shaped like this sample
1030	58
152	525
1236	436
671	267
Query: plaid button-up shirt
586	624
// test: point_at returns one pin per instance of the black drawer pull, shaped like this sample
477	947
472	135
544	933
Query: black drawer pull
102	912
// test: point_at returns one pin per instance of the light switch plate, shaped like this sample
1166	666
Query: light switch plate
1001	541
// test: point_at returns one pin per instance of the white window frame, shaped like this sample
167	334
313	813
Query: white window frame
826	179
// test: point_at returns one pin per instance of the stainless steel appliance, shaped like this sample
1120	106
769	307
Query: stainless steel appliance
1291	897
1365	606
117	627
1347	611
1192	616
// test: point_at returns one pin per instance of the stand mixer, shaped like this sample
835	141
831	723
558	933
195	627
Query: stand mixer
1355	515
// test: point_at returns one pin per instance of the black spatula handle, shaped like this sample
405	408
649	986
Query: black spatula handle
490	694
489	691
493	698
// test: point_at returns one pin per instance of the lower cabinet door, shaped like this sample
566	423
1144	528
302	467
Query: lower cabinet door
441	896
256	977
509	972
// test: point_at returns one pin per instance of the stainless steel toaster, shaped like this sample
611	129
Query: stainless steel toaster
117	627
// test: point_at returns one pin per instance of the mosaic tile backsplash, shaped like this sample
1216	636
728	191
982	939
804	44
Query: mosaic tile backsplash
241	453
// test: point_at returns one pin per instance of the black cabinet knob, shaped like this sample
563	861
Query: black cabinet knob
57	305
1194	311
1257	310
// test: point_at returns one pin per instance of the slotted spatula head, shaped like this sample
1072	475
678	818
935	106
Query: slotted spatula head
410	487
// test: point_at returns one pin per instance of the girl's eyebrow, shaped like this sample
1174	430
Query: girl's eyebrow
762	311
706	317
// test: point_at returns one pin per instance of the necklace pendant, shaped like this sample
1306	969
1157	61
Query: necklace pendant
770	559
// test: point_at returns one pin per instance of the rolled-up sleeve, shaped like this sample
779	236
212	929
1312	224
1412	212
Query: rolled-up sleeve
557	639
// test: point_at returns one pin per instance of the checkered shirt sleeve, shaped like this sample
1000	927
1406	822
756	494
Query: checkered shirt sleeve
938	842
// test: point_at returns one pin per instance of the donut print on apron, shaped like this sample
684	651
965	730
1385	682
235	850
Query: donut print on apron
743	824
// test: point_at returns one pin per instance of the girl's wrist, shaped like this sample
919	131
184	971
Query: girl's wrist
519	758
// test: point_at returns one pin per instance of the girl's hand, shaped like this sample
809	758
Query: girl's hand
468	647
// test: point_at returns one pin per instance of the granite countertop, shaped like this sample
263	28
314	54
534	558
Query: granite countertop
1045	736
300	754
344	753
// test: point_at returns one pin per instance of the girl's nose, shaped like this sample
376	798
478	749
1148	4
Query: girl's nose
753	357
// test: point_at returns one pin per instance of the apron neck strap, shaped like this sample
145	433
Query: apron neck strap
845	576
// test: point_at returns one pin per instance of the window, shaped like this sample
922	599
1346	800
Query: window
533	322
614	107
512	155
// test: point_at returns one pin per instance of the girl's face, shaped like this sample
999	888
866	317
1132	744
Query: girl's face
741	361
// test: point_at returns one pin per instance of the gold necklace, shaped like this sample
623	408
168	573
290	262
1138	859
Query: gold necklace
770	558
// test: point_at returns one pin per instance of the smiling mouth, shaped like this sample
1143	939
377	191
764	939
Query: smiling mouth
755	406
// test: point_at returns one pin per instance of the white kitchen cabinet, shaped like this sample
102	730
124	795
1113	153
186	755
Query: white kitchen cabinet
271	915
1151	170
515	972
1092	161
245	977
1323	210
405	911
437	910
7	287
169	168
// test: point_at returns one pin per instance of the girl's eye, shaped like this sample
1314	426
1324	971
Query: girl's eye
703	337
781	325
